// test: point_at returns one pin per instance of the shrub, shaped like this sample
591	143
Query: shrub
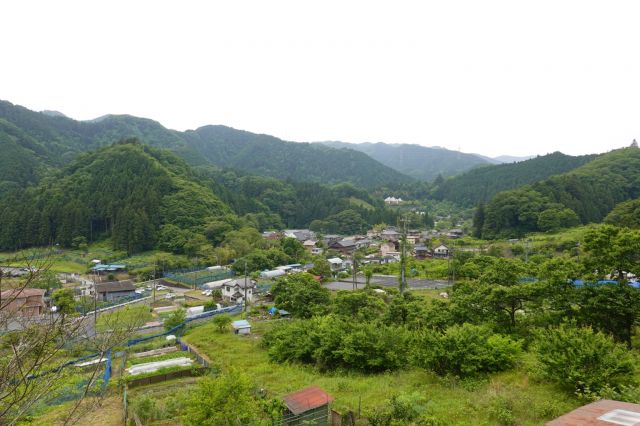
222	322
176	318
465	350
225	400
583	360
333	342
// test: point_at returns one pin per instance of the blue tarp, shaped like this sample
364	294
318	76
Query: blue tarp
581	283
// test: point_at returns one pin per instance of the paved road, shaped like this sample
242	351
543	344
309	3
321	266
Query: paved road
387	281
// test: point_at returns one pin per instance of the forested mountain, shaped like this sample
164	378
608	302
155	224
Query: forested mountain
271	203
417	161
626	214
142	197
482	183
56	140
584	195
126	191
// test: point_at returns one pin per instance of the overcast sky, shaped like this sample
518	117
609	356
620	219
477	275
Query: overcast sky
492	77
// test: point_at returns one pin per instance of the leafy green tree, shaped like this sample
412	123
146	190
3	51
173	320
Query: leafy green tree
47	280
64	301
321	267
359	305
224	400
293	248
222	322
583	360
626	214
613	309
176	318
612	250
478	220
556	217
465	350
301	295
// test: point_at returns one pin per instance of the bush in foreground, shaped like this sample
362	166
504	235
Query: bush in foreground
584	360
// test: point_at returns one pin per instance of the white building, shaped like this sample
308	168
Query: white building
336	264
234	290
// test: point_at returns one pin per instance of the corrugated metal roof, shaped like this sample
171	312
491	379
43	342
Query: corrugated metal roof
306	399
22	292
599	413
115	286
241	324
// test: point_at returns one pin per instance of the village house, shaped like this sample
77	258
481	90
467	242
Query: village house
455	233
336	264
25	302
441	251
309	245
386	248
330	239
113	290
300	234
234	290
390	235
345	246
271	235
421	252
392	201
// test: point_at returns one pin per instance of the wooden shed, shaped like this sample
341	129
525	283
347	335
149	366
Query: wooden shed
601	413
309	406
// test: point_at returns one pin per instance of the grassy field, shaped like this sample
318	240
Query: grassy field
78	261
129	316
104	412
507	398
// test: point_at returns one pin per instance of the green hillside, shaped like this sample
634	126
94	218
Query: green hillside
482	183
417	161
127	191
60	139
584	195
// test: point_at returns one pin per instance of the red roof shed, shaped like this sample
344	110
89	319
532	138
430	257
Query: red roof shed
601	413
306	399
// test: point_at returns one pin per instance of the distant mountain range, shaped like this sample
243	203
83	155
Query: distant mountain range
482	183
30	141
421	162
417	161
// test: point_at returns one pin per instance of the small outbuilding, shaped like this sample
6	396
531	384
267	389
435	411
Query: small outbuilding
241	327
602	413
115	290
309	406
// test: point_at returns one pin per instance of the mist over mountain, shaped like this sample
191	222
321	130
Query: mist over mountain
417	161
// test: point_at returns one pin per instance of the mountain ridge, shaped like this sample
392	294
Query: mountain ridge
61	139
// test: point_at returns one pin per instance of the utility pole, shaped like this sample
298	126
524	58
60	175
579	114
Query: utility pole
245	286
95	303
154	281
355	270
403	256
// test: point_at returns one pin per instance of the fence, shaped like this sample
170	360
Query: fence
187	348
191	372
116	304
227	310
198	277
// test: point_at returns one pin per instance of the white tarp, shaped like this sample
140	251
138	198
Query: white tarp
155	366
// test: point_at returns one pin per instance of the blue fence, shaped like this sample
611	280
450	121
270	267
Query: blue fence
227	310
